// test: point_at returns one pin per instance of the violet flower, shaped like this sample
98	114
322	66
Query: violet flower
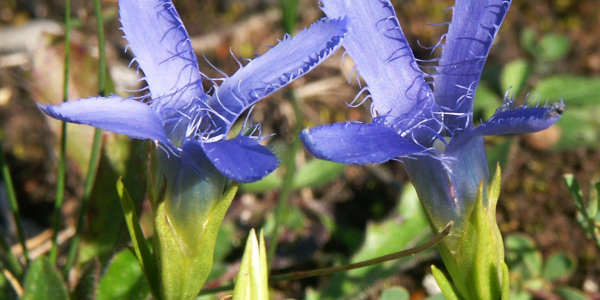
177	113
427	125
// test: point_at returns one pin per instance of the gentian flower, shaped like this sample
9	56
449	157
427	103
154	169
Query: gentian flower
177	113
191	126
426	124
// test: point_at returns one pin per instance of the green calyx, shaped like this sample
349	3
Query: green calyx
184	264
476	263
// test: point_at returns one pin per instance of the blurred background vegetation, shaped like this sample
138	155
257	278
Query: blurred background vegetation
328	213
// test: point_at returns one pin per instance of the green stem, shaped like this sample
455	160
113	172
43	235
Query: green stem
289	11
288	181
96	146
332	270
11	261
60	184
14	206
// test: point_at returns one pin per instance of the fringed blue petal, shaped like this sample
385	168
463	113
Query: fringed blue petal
357	143
163	50
124	116
242	159
521	120
287	61
470	36
382	54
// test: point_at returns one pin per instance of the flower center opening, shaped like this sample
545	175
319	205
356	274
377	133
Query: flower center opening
440	145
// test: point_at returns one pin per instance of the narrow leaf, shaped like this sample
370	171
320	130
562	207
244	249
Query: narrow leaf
140	247
447	288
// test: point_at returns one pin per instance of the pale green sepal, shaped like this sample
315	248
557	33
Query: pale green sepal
252	278
476	264
184	267
445	285
487	269
494	192
505	282
138	241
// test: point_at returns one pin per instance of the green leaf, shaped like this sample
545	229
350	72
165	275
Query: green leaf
43	280
316	173
486	102
569	293
381	238
522	257
444	283
575	191
574	90
528	41
592	206
553	47
388	236
559	266
500	153
313	174
120	157
395	293
579	127
514	76
140	246
252	278
270	182
123	279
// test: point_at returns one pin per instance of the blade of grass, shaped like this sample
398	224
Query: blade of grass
60	182
14	206
10	261
140	246
96	146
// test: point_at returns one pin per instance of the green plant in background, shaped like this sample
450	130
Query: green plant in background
588	215
536	79
532	278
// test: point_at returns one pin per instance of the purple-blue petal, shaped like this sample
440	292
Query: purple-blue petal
357	143
521	120
287	61
163	50
470	36
242	159
382	54
124	116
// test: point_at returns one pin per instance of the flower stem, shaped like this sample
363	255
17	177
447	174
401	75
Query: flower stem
60	184
96	145
288	180
14	207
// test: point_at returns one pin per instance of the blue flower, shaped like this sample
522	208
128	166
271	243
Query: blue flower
424	120
177	113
